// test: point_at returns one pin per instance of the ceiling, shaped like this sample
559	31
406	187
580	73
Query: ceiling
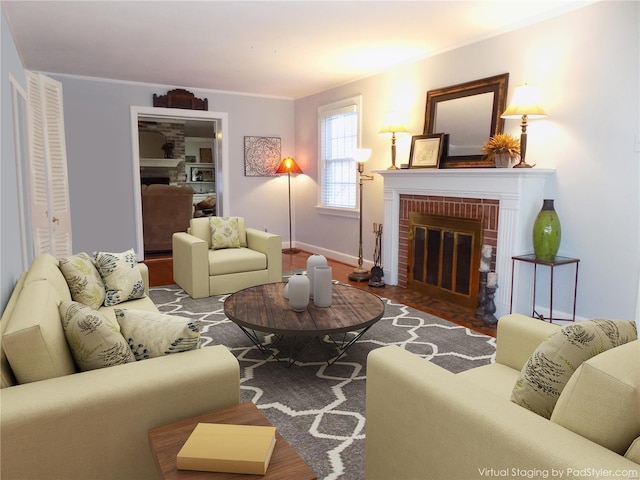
275	48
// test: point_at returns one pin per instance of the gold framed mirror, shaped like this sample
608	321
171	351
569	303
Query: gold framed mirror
468	114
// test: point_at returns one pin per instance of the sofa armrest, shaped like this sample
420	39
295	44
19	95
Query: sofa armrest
426	422
191	264
94	424
271	245
144	273
517	338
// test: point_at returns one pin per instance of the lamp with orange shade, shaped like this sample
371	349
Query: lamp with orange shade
289	166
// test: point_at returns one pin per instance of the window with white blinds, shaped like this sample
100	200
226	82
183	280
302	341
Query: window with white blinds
339	136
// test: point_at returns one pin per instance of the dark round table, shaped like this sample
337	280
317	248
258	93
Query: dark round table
264	308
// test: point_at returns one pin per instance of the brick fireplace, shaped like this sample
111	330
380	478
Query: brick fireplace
506	200
485	210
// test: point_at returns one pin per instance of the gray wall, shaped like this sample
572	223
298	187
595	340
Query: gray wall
586	64
100	163
99	151
10	261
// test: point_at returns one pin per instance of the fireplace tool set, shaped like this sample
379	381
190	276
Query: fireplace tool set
375	280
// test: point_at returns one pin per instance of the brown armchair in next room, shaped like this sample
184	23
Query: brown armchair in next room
166	209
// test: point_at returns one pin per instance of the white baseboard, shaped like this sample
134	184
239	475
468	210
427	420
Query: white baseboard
332	254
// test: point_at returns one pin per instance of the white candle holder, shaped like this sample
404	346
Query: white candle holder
490	307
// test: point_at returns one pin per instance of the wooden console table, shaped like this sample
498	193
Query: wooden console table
557	262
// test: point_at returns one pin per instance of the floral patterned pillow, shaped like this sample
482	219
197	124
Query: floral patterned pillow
154	334
84	281
549	368
121	276
225	232
94	340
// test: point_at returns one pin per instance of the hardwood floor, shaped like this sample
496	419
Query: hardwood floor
161	273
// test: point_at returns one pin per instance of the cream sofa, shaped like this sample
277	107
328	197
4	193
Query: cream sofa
202	272
423	422
93	425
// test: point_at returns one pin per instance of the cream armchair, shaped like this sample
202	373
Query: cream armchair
201	271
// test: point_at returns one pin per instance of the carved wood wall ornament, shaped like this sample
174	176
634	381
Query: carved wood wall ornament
180	98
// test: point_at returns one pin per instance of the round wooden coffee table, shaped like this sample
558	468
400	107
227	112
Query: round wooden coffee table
264	308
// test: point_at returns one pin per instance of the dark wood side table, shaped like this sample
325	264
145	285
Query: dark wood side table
166	442
557	262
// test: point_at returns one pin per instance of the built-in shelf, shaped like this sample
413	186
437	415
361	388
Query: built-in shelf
207	140
198	197
160	162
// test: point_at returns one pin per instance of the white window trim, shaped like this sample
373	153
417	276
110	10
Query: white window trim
337	211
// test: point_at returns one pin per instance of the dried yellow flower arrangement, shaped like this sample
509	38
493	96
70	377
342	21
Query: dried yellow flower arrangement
503	148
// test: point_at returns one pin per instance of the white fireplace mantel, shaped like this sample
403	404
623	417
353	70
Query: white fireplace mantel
519	191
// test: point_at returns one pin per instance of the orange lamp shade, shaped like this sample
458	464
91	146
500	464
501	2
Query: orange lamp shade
289	165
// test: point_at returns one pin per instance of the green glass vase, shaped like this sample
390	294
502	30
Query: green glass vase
546	232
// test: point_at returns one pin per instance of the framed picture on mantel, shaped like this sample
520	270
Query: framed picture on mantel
426	150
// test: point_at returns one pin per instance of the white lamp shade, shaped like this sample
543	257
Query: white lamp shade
525	101
361	155
393	124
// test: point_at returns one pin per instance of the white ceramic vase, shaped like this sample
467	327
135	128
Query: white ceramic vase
322	288
313	261
299	286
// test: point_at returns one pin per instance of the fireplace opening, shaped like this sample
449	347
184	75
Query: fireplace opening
444	257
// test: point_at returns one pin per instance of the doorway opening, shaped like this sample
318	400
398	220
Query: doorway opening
193	136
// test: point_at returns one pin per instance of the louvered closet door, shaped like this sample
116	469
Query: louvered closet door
48	167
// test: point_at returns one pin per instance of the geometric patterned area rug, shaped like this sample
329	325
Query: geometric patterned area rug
320	409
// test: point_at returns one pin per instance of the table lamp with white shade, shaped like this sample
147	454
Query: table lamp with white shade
393	125
525	104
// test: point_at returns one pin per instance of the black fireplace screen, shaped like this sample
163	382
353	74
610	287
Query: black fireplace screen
444	256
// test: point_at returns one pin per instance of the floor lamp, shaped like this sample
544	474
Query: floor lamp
361	155
289	166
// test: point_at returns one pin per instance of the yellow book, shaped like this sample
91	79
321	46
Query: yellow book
216	447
